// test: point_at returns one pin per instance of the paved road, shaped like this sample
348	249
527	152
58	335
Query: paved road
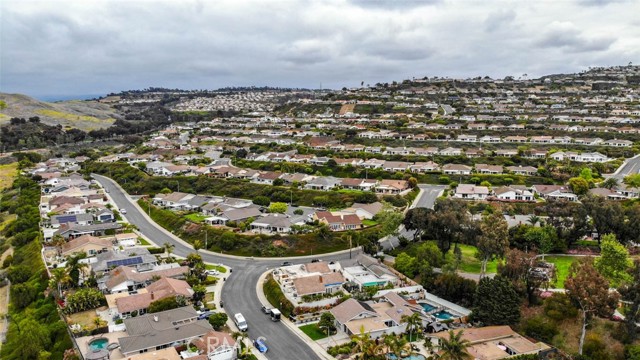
426	199
239	291
629	167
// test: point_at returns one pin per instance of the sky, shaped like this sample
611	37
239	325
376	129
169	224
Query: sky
60	48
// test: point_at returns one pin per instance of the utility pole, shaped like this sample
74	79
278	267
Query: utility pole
350	246
206	235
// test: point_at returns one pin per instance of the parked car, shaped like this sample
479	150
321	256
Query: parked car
315	260
123	211
205	315
260	345
286	263
213	272
265	309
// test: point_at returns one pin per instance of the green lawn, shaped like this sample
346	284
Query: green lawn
143	241
562	264
313	331
195	217
469	262
367	222
221	269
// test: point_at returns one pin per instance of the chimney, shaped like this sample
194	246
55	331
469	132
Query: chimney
152	297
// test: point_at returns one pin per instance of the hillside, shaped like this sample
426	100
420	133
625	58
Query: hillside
83	115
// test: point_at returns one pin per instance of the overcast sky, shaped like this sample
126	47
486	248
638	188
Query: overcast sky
61	48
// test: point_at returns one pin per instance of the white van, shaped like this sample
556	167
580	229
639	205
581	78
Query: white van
241	323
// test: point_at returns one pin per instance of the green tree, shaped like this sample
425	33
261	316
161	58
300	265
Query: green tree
406	264
327	320
493	241
586	174
614	261
414	322
389	220
496	302
632	180
278	207
262	200
579	186
454	347
518	268
630	292
218	320
610	183
168	303
589	291
544	238
34	338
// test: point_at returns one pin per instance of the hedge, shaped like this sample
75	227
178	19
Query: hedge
275	296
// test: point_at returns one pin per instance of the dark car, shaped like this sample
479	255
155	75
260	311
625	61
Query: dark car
315	260
260	345
286	263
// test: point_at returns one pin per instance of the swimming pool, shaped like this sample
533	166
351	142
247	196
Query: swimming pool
98	344
427	307
411	357
444	315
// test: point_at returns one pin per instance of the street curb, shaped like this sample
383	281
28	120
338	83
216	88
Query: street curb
318	350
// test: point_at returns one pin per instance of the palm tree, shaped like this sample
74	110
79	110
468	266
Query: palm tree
414	322
75	268
168	248
534	219
59	279
364	344
610	183
455	347
197	245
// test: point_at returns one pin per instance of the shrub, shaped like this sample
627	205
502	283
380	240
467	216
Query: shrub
218	320
156	250
539	328
275	296
559	307
7	261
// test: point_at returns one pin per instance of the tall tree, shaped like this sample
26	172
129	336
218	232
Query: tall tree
455	347
579	185
414	322
389	220
416	219
614	261
630	292
517	268
589	291
493	241
448	223
607	216
610	183
496	302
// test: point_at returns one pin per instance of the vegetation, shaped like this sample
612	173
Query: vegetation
34	318
218	320
314	331
496	302
275	296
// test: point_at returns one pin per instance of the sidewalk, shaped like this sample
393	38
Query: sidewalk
319	350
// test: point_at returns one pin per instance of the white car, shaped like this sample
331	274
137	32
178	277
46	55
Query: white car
123	211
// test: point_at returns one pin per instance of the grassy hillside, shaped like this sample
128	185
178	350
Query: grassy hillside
84	115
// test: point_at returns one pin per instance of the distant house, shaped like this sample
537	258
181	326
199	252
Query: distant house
235	215
471	192
338	222
513	193
554	192
606	193
125	279
488	169
393	187
322	183
365	211
272	223
522	170
456	169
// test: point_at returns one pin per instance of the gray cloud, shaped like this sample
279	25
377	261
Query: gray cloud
77	47
567	36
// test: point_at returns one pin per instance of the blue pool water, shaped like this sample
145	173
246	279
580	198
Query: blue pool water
98	344
412	357
427	307
444	315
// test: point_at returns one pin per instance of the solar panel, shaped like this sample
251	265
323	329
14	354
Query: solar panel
66	219
126	262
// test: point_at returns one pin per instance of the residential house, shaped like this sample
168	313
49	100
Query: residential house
71	230
138	258
266	177
161	330
494	342
456	169
161	289
272	223
488	169
216	345
387	186
338	221
365	211
607	193
471	192
322	183
235	215
86	244
522	170
513	193
126	279
554	192
423	167
324	283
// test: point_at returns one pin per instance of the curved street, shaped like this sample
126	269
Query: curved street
239	291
